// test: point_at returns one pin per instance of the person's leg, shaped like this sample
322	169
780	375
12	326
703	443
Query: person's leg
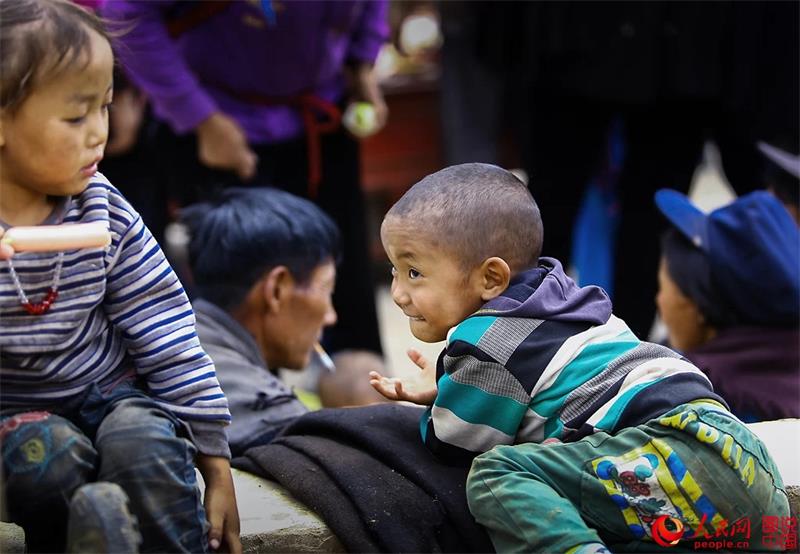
612	489
139	172
142	453
100	521
523	505
664	146
562	148
735	136
471	90
733	472
354	342
45	460
185	179
341	197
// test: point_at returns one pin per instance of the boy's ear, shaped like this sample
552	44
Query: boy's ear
495	276
276	285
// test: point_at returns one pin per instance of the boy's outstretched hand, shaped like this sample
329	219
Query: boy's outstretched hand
419	390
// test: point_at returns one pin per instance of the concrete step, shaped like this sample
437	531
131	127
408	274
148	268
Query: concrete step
273	521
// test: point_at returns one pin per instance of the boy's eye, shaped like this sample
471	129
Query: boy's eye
75	120
413	273
393	271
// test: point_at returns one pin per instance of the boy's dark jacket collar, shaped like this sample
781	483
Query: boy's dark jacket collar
546	292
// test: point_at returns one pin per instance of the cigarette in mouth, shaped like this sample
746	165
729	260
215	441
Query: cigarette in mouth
324	359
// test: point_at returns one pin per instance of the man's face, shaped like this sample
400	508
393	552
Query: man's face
428	284
291	336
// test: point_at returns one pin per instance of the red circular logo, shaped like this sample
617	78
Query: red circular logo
663	535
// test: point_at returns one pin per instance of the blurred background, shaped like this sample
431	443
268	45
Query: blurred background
566	93
595	105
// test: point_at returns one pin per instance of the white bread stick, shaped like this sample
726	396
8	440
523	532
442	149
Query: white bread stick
54	238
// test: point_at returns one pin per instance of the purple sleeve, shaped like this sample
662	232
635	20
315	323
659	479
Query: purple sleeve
371	32
155	63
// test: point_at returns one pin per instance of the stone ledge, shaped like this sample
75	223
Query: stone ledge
12	538
273	521
258	524
781	439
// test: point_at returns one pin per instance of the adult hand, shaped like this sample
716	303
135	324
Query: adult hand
221	144
220	504
364	87
419	390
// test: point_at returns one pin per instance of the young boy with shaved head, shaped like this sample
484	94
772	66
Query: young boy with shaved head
584	435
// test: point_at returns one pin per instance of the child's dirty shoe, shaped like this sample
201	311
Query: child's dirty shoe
99	521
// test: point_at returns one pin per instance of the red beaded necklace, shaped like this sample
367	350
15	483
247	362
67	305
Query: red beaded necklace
49	299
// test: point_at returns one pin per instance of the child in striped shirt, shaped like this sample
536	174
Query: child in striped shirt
103	377
584	435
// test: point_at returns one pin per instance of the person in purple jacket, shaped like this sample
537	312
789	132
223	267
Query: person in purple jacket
251	94
729	294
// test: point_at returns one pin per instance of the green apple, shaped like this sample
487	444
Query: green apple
360	119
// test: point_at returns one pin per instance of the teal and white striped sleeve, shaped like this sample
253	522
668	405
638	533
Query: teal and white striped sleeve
479	405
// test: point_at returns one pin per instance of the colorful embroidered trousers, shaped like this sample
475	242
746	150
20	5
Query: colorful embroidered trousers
123	438
697	465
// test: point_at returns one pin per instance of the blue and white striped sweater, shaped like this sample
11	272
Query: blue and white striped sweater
121	312
510	380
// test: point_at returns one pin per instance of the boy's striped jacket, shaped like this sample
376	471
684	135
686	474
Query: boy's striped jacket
548	359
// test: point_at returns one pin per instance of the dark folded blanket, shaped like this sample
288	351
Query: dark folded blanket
366	472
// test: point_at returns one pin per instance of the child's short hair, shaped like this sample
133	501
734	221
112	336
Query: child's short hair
476	211
37	39
247	232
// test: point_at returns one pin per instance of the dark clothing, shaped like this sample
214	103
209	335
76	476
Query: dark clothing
260	403
471	87
242	49
755	369
367	474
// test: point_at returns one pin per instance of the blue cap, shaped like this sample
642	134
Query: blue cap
753	250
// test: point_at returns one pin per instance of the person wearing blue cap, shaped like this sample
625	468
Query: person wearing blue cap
729	294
